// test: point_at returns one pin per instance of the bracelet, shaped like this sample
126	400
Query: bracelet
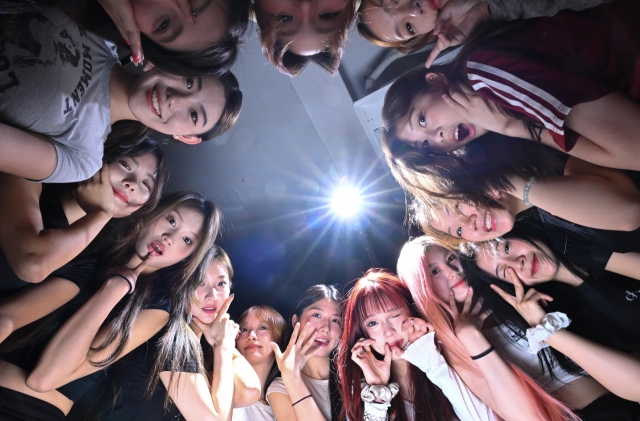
377	393
126	279
550	324
369	417
300	400
484	354
525	195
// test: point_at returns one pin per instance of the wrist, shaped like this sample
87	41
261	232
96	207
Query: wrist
117	284
473	341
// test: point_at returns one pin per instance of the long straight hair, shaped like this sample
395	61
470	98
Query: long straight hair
413	271
377	291
278	330
126	313
309	297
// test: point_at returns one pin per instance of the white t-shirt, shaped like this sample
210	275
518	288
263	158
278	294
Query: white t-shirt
517	353
319	390
256	412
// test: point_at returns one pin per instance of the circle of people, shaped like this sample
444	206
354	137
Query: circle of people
115	296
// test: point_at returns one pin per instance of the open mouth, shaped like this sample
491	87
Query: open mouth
489	222
322	342
154	102
462	132
210	310
156	248
460	283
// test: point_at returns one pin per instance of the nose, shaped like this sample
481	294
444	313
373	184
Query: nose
177	100
167	238
253	335
471	222
389	330
415	9
131	183
211	292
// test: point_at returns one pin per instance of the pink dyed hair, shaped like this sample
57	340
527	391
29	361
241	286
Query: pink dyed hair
412	270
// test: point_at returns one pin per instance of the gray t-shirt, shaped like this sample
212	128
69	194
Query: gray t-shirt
520	9
54	80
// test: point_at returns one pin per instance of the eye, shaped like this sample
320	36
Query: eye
162	27
243	329
282	18
263	328
193	115
187	240
372	324
316	315
171	220
422	121
451	258
507	247
425	145
147	185
410	29
459	232
189	81
434	272
328	16
125	165
222	283
201	284
338	321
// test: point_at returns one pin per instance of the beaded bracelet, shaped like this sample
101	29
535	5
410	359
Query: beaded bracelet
525	195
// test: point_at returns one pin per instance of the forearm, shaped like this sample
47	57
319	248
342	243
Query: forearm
246	383
26	154
222	383
509	394
69	348
306	409
617	371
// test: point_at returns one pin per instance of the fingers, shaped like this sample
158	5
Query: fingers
433	55
225	306
143	265
276	350
505	296
534	295
477	307
486	314
453	304
361	343
387	354
303	335
309	342
467	301
294	337
187	11
511	274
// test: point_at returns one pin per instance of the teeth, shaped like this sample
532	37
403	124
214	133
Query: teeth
155	246
154	100
488	221
456	135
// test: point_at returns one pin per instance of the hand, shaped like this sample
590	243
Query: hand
96	193
469	320
222	331
121	14
374	370
529	305
131	274
298	352
456	22
417	328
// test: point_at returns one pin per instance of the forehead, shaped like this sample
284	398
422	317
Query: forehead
148	162
216	270
421	103
326	305
252	319
191	218
212	99
435	254
382	24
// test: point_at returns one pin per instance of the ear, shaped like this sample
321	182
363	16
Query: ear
294	319
189	139
436	79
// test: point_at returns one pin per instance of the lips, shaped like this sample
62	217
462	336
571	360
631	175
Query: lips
534	264
489	222
322	342
155	248
436	3
253	346
461	282
120	195
154	101
209	310
461	133
395	344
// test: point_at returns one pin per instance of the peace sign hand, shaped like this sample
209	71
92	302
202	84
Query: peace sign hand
222	331
529	305
130	275
298	352
469	320
374	370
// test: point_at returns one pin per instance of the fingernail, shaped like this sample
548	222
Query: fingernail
232	295
127	41
470	288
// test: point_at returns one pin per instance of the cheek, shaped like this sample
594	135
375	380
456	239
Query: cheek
441	288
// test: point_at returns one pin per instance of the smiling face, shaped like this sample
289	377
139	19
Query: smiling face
254	339
307	26
472	224
164	23
170	238
385	327
324	318
434	125
401	20
182	107
443	266
212	292
132	180
532	265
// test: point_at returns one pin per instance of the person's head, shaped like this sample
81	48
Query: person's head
191	109
319	305
405	25
214	286
259	326
137	174
294	33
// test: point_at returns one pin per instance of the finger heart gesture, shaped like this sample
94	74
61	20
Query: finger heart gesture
375	371
529	305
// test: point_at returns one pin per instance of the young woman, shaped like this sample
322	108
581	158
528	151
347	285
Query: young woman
409	26
159	255
586	107
150	376
293	34
260	326
307	388
437	298
590	297
74	92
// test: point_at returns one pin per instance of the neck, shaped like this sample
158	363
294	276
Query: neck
196	330
515	204
71	208
120	82
262	370
564	275
318	368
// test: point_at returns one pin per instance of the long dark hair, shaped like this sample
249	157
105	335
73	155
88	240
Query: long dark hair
376	290
180	273
309	297
232	107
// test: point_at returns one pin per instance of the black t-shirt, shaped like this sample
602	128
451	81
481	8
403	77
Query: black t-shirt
53	217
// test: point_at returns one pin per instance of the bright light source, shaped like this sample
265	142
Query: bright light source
346	201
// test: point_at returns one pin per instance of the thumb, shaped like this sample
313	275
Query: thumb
276	350
387	354
143	265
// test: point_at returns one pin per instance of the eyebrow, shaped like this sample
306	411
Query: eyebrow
204	113
411	110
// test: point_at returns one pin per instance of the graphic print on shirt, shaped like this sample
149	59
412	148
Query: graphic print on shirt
61	49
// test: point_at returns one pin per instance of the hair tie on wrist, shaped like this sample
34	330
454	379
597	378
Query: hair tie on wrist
550	324
484	354
126	279
294	404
